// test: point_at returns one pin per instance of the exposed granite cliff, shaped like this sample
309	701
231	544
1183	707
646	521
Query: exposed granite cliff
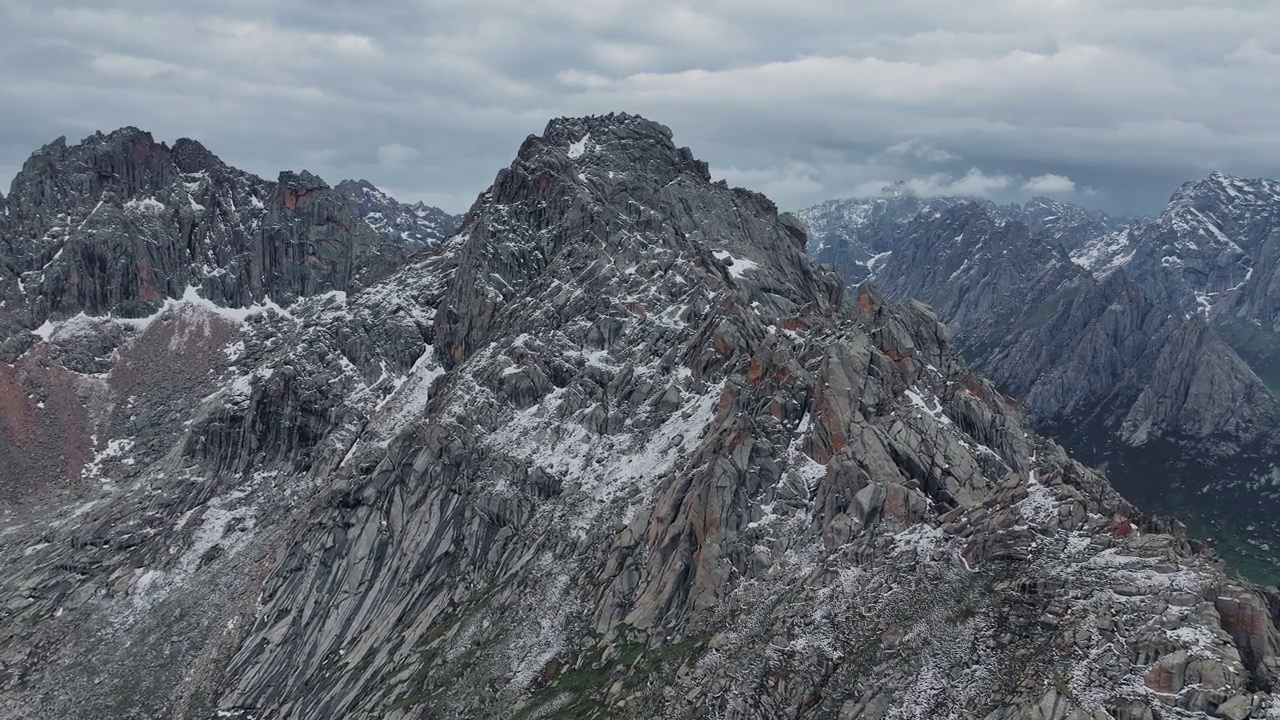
119	223
618	450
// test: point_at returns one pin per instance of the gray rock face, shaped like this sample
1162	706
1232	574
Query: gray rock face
855	236
992	278
1213	252
119	223
1068	225
619	449
418	226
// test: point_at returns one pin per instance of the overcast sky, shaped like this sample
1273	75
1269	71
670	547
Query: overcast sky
1111	103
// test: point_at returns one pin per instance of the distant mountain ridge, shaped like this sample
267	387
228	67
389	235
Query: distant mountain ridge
1128	337
856	234
118	223
417	225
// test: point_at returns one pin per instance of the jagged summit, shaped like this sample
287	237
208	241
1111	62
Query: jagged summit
615	123
360	185
619	149
616	190
618	449
120	223
127	135
419	226
1218	181
192	157
1235	198
302	179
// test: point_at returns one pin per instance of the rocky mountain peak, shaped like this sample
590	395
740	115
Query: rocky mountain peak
124	137
71	179
614	145
1040	211
617	449
1223	206
359	186
418	225
120	224
193	157
614	193
613	125
302	180
1220	184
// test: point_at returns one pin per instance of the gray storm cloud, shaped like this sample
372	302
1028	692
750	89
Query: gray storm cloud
1112	102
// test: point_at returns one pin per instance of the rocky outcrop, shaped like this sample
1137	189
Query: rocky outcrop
617	450
118	223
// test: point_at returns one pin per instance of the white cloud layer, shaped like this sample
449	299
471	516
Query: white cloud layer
397	155
1050	184
803	100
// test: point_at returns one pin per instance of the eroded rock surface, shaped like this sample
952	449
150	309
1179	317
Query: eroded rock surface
619	449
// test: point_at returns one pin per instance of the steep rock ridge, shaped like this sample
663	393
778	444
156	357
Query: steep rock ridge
119	223
759	448
617	450
417	226
1115	359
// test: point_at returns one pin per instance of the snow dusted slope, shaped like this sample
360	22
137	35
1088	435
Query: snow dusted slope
1213	251
618	450
203	433
1067	224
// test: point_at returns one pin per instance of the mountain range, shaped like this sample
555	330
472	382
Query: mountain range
1145	345
614	448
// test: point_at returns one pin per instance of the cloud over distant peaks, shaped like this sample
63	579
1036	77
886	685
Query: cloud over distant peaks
804	100
395	154
1049	184
919	151
973	183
